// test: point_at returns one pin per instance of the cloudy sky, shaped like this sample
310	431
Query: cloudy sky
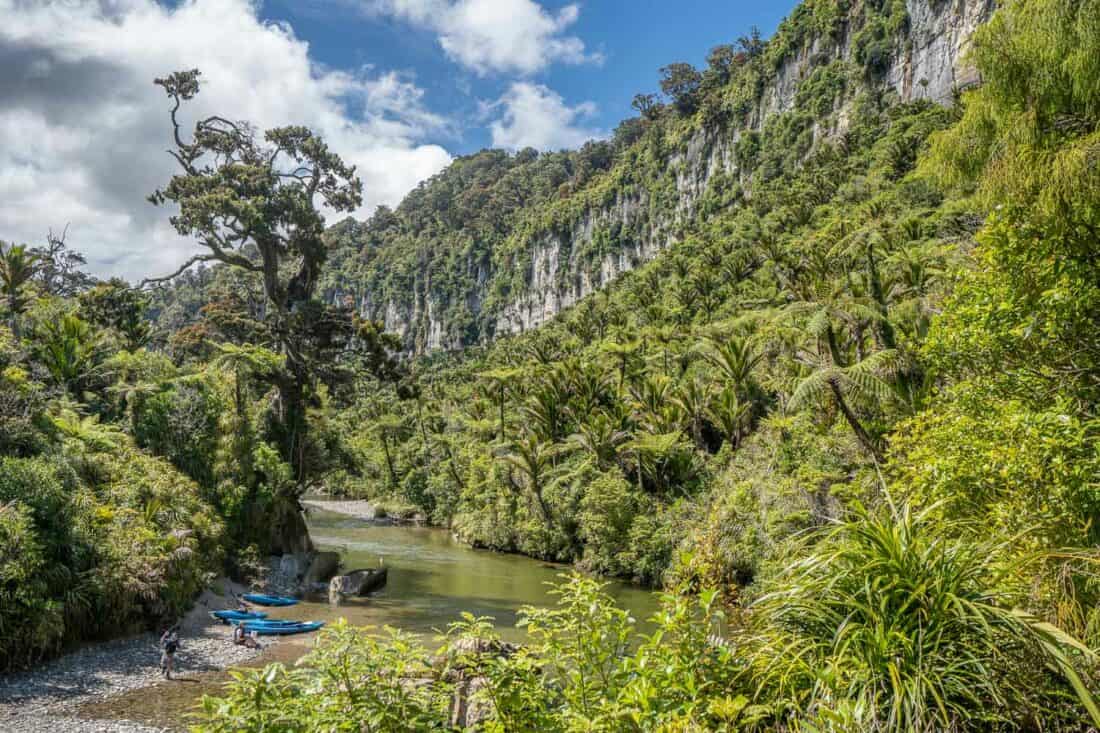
397	87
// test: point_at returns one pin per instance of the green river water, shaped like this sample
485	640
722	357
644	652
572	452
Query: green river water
433	579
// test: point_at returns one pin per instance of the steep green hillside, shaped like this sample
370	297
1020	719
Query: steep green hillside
855	399
642	401
498	244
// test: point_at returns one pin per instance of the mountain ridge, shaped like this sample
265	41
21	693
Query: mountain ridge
807	79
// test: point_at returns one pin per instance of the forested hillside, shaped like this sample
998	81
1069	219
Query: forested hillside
101	533
499	244
855	395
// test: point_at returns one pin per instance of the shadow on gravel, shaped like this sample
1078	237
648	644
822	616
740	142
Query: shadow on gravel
114	666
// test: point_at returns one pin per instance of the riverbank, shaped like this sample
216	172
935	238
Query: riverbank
68	694
367	511
358	509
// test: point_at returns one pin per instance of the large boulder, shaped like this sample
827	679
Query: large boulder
356	583
461	664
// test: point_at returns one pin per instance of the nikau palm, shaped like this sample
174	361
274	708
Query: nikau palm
18	266
534	461
734	358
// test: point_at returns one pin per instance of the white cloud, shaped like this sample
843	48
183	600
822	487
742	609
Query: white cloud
536	116
495	35
83	130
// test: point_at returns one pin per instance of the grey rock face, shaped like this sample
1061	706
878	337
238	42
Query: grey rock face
928	63
356	583
323	567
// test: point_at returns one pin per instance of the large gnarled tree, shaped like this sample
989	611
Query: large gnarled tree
253	202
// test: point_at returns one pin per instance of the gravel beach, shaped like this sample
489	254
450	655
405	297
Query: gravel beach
356	508
49	697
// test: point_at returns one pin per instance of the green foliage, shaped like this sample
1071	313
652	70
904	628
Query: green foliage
181	423
1025	134
876	41
916	628
353	679
587	667
607	514
1011	445
115	305
31	624
681	82
97	539
18	266
69	348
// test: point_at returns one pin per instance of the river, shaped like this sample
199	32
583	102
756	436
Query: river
433	579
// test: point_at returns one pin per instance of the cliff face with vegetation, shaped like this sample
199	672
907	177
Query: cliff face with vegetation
852	389
602	211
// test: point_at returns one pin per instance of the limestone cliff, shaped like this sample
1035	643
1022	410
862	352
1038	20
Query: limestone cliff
553	268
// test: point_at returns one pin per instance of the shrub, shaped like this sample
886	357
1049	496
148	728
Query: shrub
892	612
31	624
608	510
181	423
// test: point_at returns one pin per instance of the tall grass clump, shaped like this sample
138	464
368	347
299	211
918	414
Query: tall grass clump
895	621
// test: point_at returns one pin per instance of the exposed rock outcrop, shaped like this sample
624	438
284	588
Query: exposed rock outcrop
324	566
294	574
356	583
927	61
468	708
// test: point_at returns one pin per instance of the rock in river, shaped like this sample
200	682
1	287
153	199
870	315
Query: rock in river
356	583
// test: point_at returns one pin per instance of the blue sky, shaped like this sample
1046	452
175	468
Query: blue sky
397	88
628	40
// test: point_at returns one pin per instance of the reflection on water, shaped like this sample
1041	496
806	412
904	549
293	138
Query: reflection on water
433	579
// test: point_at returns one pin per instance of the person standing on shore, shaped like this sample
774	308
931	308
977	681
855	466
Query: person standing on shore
169	645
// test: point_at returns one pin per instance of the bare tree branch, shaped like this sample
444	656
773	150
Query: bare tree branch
194	260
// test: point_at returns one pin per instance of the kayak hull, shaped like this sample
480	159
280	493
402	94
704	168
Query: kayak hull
233	615
286	629
261	599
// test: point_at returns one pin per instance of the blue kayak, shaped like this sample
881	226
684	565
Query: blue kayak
268	628
261	600
234	615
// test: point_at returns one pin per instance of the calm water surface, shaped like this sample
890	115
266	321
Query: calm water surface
433	579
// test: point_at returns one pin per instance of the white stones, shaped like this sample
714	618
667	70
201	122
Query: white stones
47	697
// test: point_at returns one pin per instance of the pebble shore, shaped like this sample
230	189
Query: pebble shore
47	699
352	508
